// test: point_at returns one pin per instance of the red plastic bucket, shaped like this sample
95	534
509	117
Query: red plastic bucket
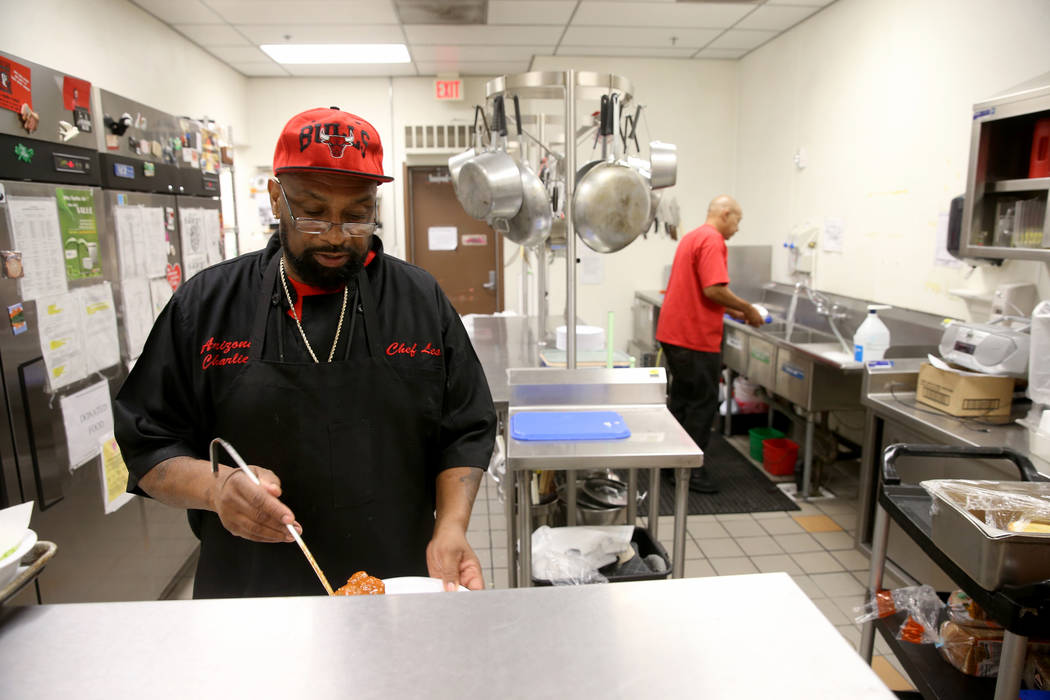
1039	165
779	456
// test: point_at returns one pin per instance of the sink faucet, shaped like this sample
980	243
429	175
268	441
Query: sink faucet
833	312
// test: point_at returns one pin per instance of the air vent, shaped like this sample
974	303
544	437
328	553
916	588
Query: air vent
437	138
435	12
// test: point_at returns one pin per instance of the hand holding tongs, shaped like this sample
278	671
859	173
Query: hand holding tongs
213	450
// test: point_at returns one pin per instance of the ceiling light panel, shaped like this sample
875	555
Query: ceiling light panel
742	39
322	33
298	54
776	17
351	71
632	14
525	12
185	12
520	35
305	12
478	53
212	34
623	36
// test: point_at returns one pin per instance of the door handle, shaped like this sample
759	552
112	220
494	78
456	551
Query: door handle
491	284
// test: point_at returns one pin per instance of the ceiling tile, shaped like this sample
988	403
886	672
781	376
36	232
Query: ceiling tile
473	68
519	35
253	68
478	53
240	54
305	11
648	36
741	39
778	17
721	53
185	12
212	34
323	33
644	52
351	71
718	15
809	3
531	12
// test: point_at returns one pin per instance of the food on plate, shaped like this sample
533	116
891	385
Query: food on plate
362	584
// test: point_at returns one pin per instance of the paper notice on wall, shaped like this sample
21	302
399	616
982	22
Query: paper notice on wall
442	237
212	235
156	237
194	244
592	266
834	235
160	292
98	327
138	314
114	475
942	257
88	417
61	342
35	233
76	218
131	241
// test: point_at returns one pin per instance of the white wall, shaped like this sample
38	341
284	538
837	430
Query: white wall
879	92
121	48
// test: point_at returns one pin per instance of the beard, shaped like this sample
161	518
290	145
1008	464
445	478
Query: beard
313	273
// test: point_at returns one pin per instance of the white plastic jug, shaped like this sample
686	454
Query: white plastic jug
1039	355
872	339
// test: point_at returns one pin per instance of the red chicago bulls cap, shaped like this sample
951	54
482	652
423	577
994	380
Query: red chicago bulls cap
330	140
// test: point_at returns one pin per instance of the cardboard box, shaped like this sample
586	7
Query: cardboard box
964	394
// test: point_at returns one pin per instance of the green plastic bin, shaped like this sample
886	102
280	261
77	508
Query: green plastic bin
757	435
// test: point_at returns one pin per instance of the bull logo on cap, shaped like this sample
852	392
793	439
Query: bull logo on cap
336	142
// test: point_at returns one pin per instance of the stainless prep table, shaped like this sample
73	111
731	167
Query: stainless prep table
656	441
740	637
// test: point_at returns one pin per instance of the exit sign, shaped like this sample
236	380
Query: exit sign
448	89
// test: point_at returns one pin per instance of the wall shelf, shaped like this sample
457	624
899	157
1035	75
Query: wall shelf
1032	184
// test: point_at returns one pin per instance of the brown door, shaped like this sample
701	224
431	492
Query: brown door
461	252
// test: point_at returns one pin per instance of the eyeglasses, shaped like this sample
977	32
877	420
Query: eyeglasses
318	227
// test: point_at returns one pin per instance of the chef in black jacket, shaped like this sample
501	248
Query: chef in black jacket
343	375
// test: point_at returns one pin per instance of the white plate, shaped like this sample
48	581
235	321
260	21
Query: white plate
414	584
9	564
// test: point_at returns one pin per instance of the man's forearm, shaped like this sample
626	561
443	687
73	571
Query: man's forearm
721	294
456	489
184	482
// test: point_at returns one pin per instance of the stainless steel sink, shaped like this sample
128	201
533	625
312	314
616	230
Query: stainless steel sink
801	335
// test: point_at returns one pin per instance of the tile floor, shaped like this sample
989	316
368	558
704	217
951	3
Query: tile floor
814	545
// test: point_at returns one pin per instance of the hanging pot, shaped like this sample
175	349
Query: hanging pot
663	164
490	183
532	224
456	162
611	202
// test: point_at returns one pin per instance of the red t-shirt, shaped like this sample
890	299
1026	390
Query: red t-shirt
688	318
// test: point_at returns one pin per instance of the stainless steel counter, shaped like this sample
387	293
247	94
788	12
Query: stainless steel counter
737	637
502	343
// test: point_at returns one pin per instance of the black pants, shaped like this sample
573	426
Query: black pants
693	396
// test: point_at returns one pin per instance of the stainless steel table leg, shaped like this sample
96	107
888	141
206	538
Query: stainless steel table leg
769	415
654	502
727	424
879	537
1011	666
632	496
525	531
807	458
570	498
510	495
681	493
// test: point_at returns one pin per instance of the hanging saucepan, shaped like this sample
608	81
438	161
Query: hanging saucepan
490	184
611	202
663	164
532	224
456	162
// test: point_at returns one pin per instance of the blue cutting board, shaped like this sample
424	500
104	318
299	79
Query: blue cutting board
568	425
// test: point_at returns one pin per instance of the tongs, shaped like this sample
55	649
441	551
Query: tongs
214	452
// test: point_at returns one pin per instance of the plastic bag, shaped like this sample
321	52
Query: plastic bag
1005	508
573	555
920	602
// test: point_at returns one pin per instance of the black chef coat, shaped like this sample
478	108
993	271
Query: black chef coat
167	406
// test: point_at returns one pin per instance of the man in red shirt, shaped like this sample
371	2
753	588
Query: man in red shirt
690	326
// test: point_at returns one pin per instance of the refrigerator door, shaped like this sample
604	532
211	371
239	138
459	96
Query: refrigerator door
132	553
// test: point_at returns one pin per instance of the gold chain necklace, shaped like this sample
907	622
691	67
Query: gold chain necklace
338	329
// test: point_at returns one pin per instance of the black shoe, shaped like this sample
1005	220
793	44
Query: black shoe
700	482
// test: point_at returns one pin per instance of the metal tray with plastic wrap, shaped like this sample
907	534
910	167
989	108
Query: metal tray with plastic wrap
981	526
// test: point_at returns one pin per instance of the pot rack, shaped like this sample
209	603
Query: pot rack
570	86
